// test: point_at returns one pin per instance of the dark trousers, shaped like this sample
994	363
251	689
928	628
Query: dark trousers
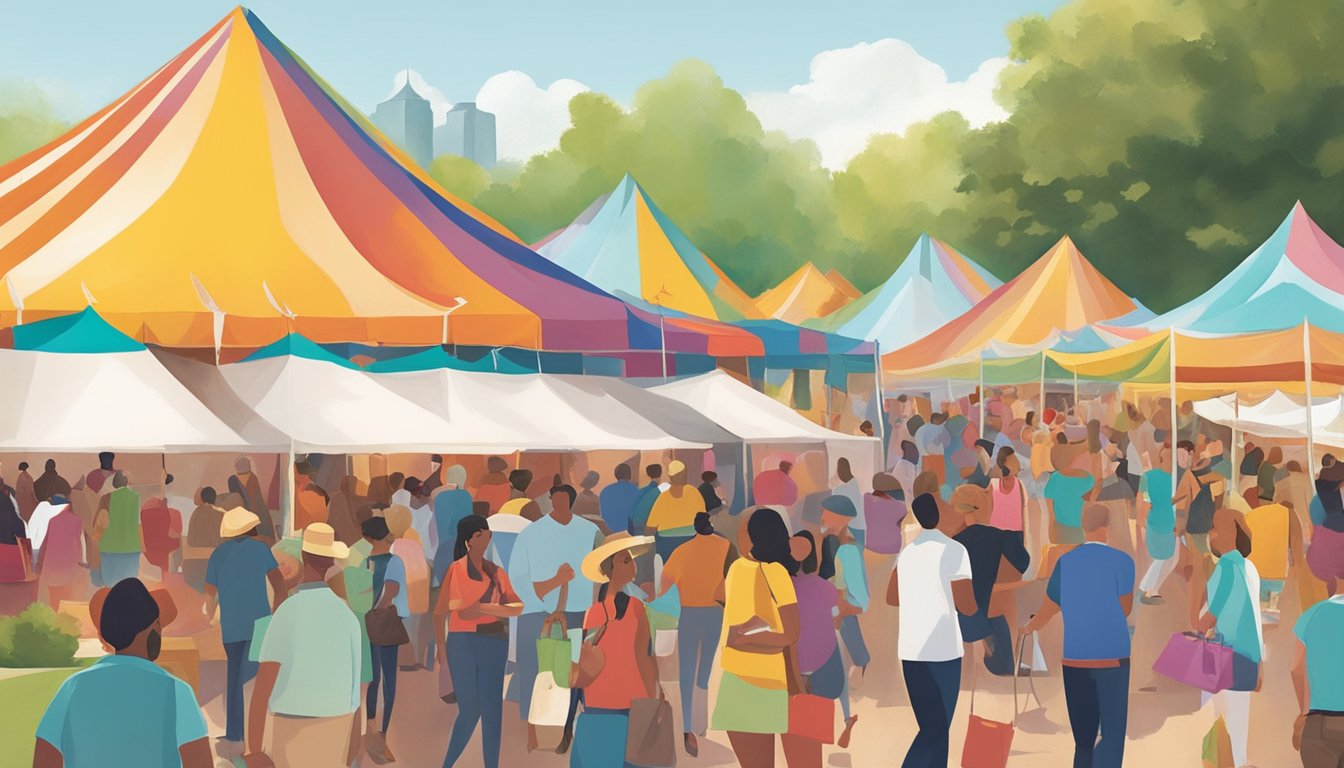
477	666
998	637
239	671
384	672
1098	700
933	687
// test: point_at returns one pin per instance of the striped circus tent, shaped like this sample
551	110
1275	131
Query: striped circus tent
933	285
233	197
624	243
807	294
1061	292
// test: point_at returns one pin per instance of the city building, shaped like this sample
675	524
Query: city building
469	133
407	120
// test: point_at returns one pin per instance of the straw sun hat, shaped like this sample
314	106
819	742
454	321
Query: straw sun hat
615	543
236	522
320	539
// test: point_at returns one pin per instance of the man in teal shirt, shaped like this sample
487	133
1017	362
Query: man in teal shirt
125	710
1318	678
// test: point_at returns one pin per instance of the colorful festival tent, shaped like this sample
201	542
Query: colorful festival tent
626	245
933	285
843	285
1060	292
1279	415
233	197
807	294
76	383
1295	275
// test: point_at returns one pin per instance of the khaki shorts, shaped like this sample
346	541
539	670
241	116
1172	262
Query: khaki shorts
308	742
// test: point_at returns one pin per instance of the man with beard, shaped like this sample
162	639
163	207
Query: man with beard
114	713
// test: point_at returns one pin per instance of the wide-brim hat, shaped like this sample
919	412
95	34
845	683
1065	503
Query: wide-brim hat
236	522
320	539
840	505
886	482
591	568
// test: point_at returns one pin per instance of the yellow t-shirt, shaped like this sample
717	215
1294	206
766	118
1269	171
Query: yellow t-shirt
514	506
675	515
748	593
1269	540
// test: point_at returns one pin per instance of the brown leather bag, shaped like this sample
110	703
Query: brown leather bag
385	627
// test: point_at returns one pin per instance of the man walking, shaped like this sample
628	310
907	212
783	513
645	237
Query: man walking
617	501
1093	586
1318	679
236	576
931	584
672	519
117	529
547	556
308	680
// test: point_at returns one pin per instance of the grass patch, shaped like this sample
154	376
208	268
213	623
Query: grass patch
23	699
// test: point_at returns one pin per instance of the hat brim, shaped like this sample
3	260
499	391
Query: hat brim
591	567
335	549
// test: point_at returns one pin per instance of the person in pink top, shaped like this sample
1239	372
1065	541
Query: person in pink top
1008	496
58	560
774	487
885	513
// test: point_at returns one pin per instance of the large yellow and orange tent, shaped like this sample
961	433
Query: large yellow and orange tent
807	294
1060	292
232	197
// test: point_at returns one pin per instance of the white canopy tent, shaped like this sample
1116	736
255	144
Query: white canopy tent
1277	416
116	401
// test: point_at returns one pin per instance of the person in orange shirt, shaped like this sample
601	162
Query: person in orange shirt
494	488
697	569
310	501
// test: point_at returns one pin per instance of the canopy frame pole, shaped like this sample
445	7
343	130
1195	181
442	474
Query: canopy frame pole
662	343
981	392
878	389
1039	415
1236	421
1171	363
290	502
747	491
829	391
1307	376
1076	404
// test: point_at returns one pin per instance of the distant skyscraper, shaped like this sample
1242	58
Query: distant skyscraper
469	133
407	119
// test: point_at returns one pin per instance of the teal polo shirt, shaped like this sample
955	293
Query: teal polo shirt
1320	628
122	712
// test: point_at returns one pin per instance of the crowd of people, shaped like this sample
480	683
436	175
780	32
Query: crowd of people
560	597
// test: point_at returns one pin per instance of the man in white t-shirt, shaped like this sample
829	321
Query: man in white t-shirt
930	584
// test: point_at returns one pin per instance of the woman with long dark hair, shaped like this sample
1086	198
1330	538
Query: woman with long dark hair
759	656
480	601
618	625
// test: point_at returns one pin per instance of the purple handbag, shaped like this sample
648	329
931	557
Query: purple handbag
1195	660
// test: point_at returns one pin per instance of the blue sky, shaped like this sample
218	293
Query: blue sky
87	53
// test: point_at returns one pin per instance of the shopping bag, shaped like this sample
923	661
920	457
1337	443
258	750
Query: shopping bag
1192	659
1217	751
550	701
989	742
812	717
651	739
16	561
1036	666
665	642
554	652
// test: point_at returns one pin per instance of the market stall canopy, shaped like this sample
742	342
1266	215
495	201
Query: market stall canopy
933	285
77	384
1279	415
530	412
807	294
670	415
1295	275
233	197
624	243
1061	291
436	357
752	416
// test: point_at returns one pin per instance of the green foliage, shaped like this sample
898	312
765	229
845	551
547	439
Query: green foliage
38	637
462	176
26	119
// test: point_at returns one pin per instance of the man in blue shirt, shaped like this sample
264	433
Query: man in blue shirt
617	501
125	710
1318	679
647	496
451	505
1093	586
236	577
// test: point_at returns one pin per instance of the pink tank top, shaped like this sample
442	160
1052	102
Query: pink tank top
1006	505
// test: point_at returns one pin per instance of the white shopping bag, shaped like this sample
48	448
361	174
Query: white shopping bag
665	642
550	702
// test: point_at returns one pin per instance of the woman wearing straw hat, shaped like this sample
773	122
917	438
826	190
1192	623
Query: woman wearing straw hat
618	625
759	647
479	600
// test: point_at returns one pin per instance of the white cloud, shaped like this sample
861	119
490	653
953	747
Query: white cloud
528	118
880	87
437	101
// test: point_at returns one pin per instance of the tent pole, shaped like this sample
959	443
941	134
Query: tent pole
662	343
1171	364
1041	408
981	391
1236	419
827	387
1075	395
1307	375
877	393
290	502
746	473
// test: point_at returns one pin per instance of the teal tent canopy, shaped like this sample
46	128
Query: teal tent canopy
84	332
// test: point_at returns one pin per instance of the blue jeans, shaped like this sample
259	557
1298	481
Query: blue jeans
599	739
118	566
998	637
476	663
698	633
384	672
240	670
933	687
1098	700
852	636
